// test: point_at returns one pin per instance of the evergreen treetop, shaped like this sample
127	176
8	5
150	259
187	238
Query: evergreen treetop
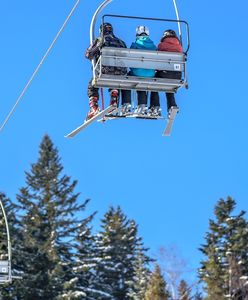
226	252
156	289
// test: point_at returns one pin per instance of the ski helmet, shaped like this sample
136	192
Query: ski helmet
106	28
142	30
169	33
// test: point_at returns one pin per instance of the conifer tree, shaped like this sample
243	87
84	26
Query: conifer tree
138	285
49	227
85	263
156	289
198	296
117	251
184	291
225	269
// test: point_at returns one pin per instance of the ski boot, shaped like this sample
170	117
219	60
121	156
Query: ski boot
141	110
114	97
126	109
155	111
94	108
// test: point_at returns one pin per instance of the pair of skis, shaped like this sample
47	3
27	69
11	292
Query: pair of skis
110	110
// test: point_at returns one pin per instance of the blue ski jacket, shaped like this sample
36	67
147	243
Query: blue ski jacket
143	42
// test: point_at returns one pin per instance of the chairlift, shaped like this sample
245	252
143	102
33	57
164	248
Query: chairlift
138	58
5	255
135	58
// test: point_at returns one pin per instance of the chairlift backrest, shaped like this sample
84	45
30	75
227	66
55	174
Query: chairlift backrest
4	266
146	59
136	58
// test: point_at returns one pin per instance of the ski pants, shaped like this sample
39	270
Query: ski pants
94	92
171	101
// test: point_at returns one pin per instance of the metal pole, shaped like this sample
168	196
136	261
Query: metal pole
178	23
92	28
93	21
8	240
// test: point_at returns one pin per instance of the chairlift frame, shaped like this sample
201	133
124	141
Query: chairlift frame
123	57
5	265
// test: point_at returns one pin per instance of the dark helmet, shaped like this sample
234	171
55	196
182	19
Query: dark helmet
106	28
169	33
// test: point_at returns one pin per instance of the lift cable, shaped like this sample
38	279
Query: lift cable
39	65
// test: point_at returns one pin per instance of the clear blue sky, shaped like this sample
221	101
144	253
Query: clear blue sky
168	185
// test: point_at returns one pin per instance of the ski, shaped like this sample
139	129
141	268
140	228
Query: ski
101	114
171	117
129	116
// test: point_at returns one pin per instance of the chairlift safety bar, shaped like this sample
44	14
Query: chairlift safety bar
153	19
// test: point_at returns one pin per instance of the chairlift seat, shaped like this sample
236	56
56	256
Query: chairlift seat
146	59
4	267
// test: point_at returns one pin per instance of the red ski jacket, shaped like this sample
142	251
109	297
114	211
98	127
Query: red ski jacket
171	44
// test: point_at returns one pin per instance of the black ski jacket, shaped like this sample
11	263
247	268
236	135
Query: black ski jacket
108	40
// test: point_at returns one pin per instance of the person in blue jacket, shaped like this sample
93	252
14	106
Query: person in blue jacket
142	41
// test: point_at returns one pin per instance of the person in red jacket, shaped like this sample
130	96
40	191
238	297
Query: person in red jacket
169	42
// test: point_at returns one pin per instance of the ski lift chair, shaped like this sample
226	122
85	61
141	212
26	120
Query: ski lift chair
139	58
136	58
5	271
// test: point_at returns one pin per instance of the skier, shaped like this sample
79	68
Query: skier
106	39
169	42
142	41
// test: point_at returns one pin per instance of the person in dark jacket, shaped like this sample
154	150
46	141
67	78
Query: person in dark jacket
169	42
106	39
144	42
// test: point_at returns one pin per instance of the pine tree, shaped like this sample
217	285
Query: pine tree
156	289
138	285
198	296
86	262
184	291
225	269
49	227
117	246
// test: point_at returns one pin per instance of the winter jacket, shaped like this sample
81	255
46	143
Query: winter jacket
109	40
143	42
170	44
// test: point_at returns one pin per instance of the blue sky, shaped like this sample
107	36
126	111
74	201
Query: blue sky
168	185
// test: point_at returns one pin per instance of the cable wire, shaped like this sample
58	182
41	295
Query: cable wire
39	65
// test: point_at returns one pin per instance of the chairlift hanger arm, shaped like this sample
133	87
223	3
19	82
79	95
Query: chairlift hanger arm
106	2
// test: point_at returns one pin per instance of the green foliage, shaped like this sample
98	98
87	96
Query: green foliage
226	252
156	289
48	226
119	249
138	285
